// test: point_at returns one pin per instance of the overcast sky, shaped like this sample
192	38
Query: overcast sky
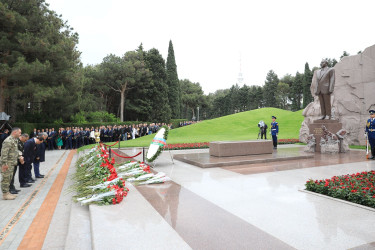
210	37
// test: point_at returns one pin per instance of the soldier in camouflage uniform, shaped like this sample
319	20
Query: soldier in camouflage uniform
21	141
8	160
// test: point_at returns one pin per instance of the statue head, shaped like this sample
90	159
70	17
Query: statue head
324	63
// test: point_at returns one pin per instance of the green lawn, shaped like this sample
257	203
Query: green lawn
240	126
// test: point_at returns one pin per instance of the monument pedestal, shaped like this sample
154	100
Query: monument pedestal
315	128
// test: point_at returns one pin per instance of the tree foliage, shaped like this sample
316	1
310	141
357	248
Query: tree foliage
270	89
38	57
158	95
174	90
307	78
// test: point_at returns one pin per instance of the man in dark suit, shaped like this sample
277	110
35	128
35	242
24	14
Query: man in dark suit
30	153
69	138
40	156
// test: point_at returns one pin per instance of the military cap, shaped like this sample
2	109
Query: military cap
372	112
273	117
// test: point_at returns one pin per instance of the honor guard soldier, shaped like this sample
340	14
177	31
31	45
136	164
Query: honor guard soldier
274	131
370	133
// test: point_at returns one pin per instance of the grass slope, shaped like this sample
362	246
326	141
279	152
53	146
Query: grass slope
240	126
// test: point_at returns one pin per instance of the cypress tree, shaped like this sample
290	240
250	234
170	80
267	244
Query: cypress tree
174	89
307	78
297	91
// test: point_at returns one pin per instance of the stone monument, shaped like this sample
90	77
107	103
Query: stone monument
352	98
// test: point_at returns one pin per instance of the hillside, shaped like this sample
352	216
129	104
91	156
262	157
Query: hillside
240	126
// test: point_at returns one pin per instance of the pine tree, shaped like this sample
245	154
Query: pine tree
174	90
38	56
270	90
307	78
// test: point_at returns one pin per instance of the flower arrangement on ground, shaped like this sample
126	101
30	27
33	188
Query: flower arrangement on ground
357	188
97	181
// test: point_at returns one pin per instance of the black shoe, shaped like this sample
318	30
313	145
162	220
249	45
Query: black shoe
25	185
13	191
30	181
17	190
40	176
372	157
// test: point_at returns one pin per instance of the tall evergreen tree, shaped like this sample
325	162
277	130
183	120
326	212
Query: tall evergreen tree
270	89
158	95
174	91
307	78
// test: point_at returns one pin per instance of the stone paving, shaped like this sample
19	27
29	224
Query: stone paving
212	208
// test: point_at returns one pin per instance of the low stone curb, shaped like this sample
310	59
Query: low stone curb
338	200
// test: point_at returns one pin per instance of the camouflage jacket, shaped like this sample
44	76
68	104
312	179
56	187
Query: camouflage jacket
9	152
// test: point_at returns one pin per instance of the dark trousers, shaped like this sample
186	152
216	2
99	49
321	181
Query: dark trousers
68	143
11	185
28	174
22	173
36	168
325	104
50	144
263	133
274	140
372	145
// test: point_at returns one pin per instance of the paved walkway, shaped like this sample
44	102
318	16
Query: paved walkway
236	207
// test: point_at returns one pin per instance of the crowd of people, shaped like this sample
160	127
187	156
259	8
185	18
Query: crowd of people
76	137
25	152
186	123
22	152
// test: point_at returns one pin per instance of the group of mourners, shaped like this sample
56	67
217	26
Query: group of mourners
76	137
25	152
19	150
186	123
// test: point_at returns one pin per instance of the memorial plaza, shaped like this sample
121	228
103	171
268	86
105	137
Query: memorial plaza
242	206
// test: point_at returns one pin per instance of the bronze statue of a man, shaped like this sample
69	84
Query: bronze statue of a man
324	85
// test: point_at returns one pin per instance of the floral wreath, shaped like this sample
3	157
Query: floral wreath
157	144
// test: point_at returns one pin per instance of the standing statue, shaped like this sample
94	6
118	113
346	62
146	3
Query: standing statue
323	88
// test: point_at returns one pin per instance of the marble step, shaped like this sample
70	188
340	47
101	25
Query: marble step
79	231
132	224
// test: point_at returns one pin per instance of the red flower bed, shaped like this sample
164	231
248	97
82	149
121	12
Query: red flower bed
358	188
287	141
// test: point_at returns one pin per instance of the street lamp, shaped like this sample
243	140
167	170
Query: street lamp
198	113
